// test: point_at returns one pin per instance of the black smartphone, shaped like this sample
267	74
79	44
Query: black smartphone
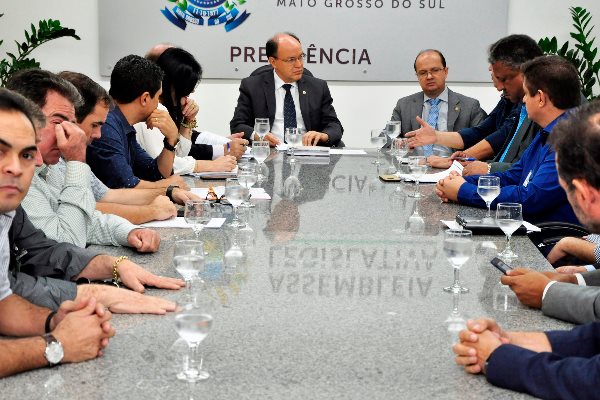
501	265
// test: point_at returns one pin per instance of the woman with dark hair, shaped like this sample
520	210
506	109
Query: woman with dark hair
182	73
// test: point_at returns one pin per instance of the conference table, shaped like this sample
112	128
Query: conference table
338	296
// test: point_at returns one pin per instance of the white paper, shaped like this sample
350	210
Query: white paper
531	227
348	152
215	223
452	224
282	147
224	174
177	222
214	139
311	151
434	178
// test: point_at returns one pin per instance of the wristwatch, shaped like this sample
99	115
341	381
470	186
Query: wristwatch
168	146
54	351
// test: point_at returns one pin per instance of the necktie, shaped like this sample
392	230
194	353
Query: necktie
521	119
289	109
432	118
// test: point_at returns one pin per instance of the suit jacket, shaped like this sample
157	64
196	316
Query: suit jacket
570	371
523	138
257	100
573	303
42	269
463	112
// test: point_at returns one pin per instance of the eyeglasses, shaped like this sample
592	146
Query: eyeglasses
292	60
432	71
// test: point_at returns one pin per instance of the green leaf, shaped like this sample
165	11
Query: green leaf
553	45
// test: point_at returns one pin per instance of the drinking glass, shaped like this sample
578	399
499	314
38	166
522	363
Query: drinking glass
247	178
392	129
400	147
261	127
235	194
378	139
458	247
488	187
197	213
188	260
193	325
293	137
260	152
418	167
509	217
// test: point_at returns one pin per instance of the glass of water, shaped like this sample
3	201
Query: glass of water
378	139
400	147
193	325
197	213
509	217
247	178
261	127
260	152
488	187
235	194
293	137
458	247
418	167
188	260
392	130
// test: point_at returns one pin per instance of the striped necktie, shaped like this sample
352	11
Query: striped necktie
289	109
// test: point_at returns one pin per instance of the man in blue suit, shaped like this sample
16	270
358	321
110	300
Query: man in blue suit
556	364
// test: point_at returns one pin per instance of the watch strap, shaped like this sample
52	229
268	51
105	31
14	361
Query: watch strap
49	321
169	192
168	145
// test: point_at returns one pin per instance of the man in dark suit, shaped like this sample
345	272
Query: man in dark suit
455	110
288	98
556	364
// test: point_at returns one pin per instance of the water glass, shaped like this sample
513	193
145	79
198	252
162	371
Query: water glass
378	139
188	260
392	129
193	325
293	137
260	152
197	213
418	167
488	187
458	247
235	194
247	178
261	127
509	217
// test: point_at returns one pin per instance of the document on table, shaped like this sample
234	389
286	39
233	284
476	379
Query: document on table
216	174
179	222
434	178
255	193
455	225
348	152
213	139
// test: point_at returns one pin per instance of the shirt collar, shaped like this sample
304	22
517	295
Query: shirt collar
10	214
443	96
279	82
42	171
548	128
116	116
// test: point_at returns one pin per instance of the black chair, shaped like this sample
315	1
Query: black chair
552	232
268	68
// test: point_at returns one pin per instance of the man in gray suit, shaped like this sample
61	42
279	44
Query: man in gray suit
571	297
447	110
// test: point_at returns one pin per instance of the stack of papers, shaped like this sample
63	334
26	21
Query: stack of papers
255	193
179	222
311	151
434	178
216	174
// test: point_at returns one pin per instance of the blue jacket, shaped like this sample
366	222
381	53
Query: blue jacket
532	182
570	371
495	128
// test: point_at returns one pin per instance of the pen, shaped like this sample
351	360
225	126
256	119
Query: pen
465	158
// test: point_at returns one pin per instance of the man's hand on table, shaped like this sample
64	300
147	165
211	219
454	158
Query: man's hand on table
477	343
447	188
124	301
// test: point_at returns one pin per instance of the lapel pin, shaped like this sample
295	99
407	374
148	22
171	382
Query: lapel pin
304	92
457	108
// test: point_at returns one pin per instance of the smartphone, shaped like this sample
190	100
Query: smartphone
390	178
501	265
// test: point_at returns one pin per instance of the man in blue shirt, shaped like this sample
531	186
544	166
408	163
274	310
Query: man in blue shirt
551	87
556	364
116	158
488	138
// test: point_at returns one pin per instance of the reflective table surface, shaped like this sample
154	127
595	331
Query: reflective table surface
338	295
